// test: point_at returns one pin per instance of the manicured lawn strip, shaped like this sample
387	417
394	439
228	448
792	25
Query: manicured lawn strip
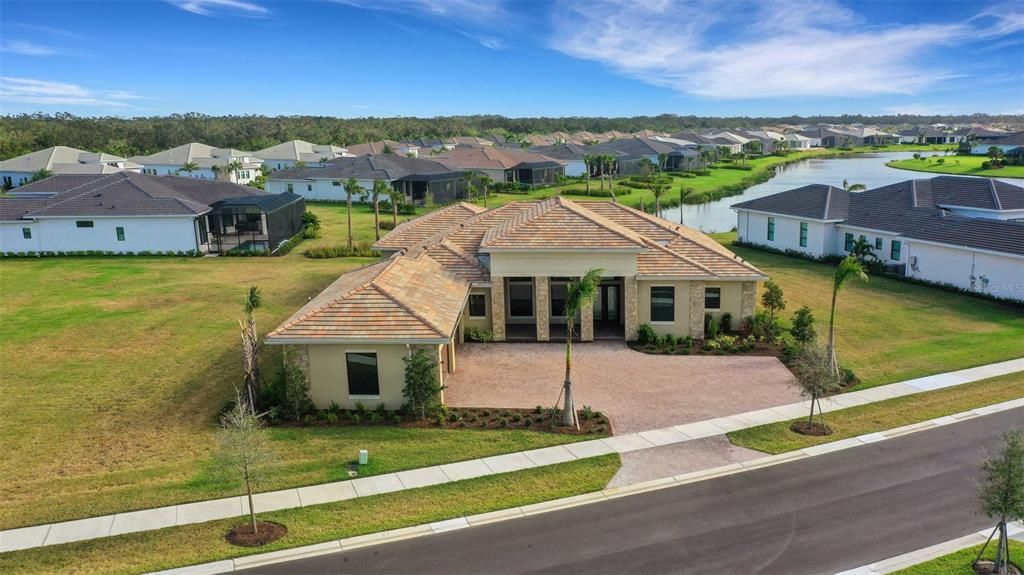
187	545
776	438
959	563
889	330
957	165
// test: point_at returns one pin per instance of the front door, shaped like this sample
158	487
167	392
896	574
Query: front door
606	304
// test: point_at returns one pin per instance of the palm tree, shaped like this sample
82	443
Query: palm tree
250	346
588	162
683	193
847	269
853	187
351	187
395	196
232	168
658	188
40	174
485	182
577	294
188	168
662	160
648	166
380	188
468	176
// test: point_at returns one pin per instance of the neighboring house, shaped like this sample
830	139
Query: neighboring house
287	154
385	147
504	165
204	162
1005	144
18	171
965	232
470	141
130	212
635	149
415	177
571	155
798	141
506	270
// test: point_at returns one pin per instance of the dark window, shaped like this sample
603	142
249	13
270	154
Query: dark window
559	292
477	305
897	249
712	298
335	183
309	187
663	303
849	242
520	299
26	233
120	234
83	224
771	229
803	234
878	243
362	374
291	187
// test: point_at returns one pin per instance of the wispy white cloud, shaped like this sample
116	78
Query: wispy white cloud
51	30
474	11
26	48
920	109
491	42
47	92
216	7
772	49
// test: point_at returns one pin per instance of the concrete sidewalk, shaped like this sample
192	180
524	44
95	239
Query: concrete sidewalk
199	512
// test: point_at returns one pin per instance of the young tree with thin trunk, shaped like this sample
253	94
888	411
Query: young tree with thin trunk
251	346
422	389
773	299
244	447
578	294
485	184
1002	494
848	269
684	192
380	188
658	188
352	187
814	377
588	162
396	197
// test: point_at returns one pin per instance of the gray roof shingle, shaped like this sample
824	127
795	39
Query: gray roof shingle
816	201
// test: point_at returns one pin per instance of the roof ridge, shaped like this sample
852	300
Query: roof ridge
518	219
75	196
402	304
602	221
682	257
995	194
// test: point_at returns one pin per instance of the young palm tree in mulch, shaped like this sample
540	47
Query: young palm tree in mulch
579	293
848	269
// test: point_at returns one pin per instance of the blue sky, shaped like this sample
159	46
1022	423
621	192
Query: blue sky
514	57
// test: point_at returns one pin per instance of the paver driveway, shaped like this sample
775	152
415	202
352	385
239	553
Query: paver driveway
637	391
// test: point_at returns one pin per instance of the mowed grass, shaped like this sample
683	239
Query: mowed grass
777	438
889	330
114	370
957	165
959	563
192	544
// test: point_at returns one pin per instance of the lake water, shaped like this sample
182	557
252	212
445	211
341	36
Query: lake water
867	169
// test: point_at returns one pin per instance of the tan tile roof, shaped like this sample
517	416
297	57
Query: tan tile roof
411	233
558	223
401	298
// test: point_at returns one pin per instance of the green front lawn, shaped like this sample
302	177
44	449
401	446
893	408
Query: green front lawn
889	330
201	543
957	165
959	563
777	438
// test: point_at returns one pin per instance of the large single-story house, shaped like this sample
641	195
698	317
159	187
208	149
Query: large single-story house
19	170
503	164
1005	143
415	177
960	231
130	212
385	147
201	161
506	270
287	154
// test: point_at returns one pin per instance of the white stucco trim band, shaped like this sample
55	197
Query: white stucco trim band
782	215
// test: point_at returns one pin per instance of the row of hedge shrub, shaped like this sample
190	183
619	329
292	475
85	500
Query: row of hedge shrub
102	253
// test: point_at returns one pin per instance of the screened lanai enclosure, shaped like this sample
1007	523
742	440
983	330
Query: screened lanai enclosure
252	223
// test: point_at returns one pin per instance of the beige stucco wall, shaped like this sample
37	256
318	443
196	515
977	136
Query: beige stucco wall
681	326
561	264
478	322
328	376
732	297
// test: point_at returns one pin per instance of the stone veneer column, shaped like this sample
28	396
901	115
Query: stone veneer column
697	309
630	299
748	301
498	307
542	308
587	323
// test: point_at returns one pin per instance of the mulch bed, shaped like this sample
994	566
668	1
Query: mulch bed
463	418
818	430
988	568
697	348
266	532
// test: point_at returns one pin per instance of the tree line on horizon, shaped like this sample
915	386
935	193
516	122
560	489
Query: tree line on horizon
23	133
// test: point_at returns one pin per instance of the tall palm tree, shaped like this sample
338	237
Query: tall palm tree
189	167
468	176
683	193
848	269
658	188
380	188
233	167
577	294
485	182
250	346
395	196
588	162
352	187
853	187
662	160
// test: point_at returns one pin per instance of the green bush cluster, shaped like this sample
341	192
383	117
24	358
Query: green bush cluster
479	334
101	253
597	192
361	250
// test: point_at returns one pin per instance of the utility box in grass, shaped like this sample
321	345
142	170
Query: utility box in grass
364	457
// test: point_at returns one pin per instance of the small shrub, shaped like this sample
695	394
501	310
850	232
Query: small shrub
503	422
527	421
712	330
849	377
479	335
334	407
645	334
331	417
357	419
396	418
506	413
586	412
485	413
453	417
360	408
726	326
517	418
380	409
538	409
439	420
361	250
461	424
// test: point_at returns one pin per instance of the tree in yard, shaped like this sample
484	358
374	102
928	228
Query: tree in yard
863	251
803	326
815	378
244	448
684	192
1002	494
310	225
588	163
994	152
578	294
853	187
40	174
295	397
773	299
847	269
189	167
251	346
396	197
662	160
647	166
380	188
485	182
658	188
388	149
422	390
352	188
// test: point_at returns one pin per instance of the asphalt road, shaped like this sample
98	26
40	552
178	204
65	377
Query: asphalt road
815	516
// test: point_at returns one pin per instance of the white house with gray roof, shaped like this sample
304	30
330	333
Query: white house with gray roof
960	231
285	155
18	171
204	162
